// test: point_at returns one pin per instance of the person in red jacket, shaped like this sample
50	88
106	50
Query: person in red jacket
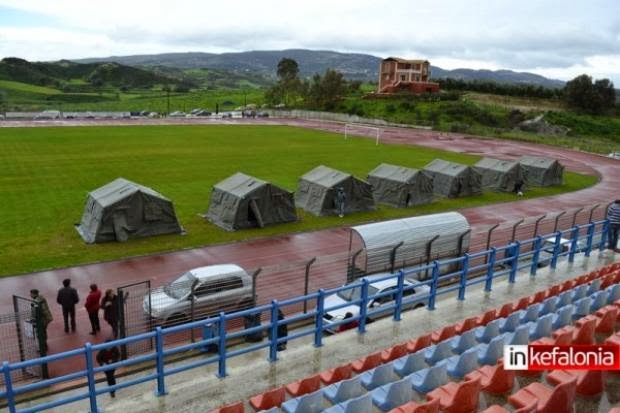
92	307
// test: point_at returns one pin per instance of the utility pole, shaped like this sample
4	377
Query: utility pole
168	99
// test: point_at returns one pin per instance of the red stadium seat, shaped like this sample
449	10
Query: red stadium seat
419	343
231	408
567	285
443	334
304	386
606	319
336	374
522	304
494	379
366	363
465	325
394	352
499	409
538	297
457	397
553	291
505	310
550	400
584	330
418	407
267	400
561	337
589	382
486	318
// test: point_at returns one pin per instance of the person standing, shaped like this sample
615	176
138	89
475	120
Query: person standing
282	331
109	355
92	307
519	187
67	298
341	200
45	318
613	215
109	304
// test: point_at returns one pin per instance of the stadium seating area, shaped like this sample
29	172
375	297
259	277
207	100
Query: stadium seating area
455	368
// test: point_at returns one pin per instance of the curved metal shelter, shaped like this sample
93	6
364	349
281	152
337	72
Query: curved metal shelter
406	242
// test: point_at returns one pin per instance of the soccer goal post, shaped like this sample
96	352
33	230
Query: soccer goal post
362	130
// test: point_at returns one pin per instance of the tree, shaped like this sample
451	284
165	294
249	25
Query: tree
325	91
288	69
582	94
289	87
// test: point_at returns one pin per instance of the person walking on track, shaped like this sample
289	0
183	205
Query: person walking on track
68	298
109	304
42	313
92	307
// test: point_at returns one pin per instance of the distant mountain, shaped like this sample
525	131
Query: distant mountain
353	65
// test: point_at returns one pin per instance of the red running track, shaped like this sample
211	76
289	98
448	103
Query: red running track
295	247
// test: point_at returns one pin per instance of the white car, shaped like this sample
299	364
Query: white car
215	288
614	155
412	298
548	247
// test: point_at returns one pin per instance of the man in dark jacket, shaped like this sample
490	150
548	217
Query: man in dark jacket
613	215
68	298
109	355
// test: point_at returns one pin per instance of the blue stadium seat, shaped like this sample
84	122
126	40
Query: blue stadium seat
530	313
489	353
582	307
308	403
579	292
429	379
594	286
459	366
614	293
438	352
562	317
361	404
509	323
489	332
541	327
565	298
599	300
406	365
520	336
392	395
463	342
272	410
549	305
344	390
380	375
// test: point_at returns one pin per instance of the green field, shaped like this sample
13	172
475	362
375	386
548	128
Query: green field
46	173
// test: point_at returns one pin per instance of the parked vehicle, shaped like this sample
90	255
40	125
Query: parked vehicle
412	298
614	155
200	293
548	246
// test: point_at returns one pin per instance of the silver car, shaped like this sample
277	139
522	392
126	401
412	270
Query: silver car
200	293
412	298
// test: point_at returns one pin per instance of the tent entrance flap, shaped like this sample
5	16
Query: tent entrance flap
254	214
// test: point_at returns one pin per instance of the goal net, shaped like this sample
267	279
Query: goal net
351	129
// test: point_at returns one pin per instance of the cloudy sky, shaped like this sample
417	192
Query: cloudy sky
555	38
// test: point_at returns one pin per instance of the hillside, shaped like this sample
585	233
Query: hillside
353	65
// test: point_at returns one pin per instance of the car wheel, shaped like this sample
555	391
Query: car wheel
419	305
175	319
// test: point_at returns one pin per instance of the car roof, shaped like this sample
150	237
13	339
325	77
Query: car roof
390	282
216	271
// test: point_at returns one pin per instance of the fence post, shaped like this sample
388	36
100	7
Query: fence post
590	238
433	295
159	360
464	277
393	256
254	277
537	245
537	224
556	250
575	216
604	231
363	307
592	212
557	219
273	332
351	270
429	246
489	240
306	282
573	244
8	384
221	347
490	269
514	229
515	262
90	376
460	243
399	295
122	325
320	310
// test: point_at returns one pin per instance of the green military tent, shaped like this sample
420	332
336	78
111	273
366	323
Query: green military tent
399	186
541	171
317	189
242	201
122	210
453	179
499	175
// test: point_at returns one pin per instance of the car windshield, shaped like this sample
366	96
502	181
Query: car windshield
180	287
356	293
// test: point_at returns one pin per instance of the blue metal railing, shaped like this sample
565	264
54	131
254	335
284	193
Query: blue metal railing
498	262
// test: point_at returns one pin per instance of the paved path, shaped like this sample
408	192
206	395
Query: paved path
297	247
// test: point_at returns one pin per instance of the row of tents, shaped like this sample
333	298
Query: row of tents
122	209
